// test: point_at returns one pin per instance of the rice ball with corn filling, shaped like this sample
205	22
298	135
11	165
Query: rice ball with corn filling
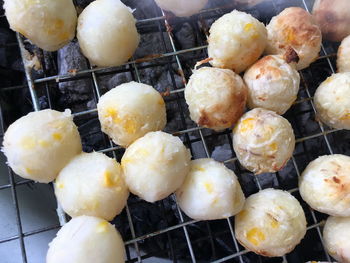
333	17
92	184
155	165
236	41
294	28
40	144
343	56
271	223
332	101
107	33
263	141
330	176
182	8
216	97
86	239
210	191
272	83
336	235
129	111
48	24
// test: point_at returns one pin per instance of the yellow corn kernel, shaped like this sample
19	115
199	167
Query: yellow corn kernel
130	126
274	223
59	185
345	117
29	171
255	236
102	227
28	143
209	187
248	27
198	168
43	143
110	112
247	124
273	146
109	179
57	136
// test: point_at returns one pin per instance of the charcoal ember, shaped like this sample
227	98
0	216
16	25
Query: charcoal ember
75	93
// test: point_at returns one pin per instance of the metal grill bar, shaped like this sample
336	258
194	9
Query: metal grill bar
133	66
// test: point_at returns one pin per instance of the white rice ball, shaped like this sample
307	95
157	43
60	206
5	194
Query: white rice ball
210	191
333	17
332	101
86	239
92	184
236	41
325	184
263	141
40	144
48	24
107	33
294	28
216	97
129	111
182	8
271	223
272	83
336	235
155	165
343	56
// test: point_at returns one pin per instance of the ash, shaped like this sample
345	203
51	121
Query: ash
209	240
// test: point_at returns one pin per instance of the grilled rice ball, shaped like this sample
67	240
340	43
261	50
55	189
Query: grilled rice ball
216	97
273	84
40	144
182	8
210	191
271	223
332	101
48	24
343	56
294	28
333	17
263	141
86	239
325	184
336	235
129	111
107	33
92	184
155	165
236	41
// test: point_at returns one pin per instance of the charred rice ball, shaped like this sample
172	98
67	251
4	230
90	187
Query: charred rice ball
236	41
332	101
129	111
182	8
272	83
210	191
48	24
263	141
92	184
271	223
294	28
330	176
336	235
107	33
40	144
86	239
343	57
216	97
333	17
155	165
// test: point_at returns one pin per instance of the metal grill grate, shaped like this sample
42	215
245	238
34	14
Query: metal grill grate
175	236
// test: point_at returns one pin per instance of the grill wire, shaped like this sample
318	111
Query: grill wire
176	236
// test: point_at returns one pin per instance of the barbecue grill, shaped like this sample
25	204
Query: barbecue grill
169	49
